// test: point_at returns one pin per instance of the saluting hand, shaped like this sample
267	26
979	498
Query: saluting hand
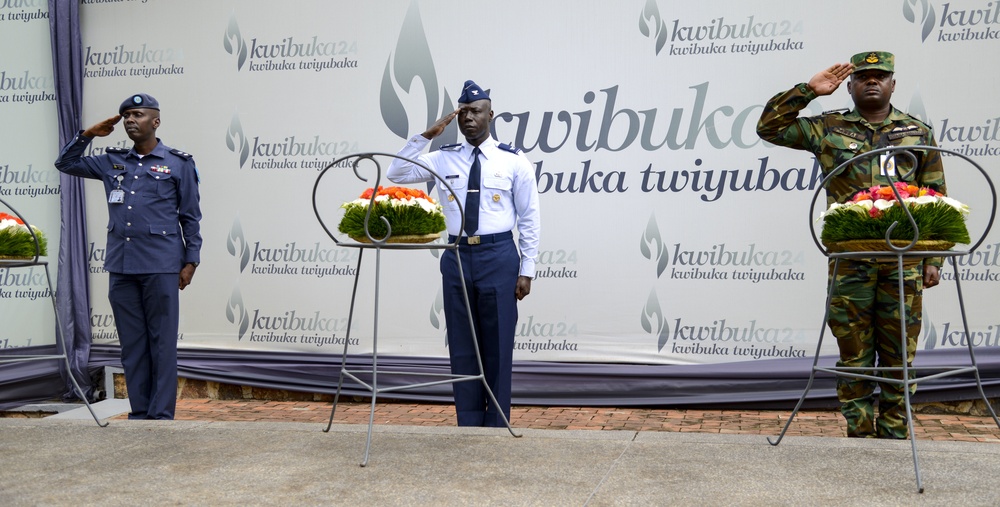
438	127
827	81
103	128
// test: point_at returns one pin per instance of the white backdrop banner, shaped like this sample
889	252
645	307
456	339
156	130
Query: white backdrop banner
28	181
671	233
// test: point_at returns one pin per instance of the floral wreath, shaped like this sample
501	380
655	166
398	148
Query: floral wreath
410	212
16	242
870	213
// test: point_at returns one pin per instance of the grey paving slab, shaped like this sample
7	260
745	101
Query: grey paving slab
745	470
74	462
104	409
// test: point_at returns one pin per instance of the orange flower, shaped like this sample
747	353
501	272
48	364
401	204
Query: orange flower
5	216
398	193
906	190
883	193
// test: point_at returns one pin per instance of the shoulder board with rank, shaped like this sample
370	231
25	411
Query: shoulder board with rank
181	154
848	132
115	149
914	120
507	147
451	147
836	111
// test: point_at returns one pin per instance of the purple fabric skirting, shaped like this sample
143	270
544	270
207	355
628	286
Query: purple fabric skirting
765	384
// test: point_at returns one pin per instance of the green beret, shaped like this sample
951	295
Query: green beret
878	60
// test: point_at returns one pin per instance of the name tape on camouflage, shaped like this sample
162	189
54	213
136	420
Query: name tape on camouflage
849	133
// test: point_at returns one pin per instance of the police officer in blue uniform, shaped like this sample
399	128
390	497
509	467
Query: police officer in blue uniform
502	196
153	246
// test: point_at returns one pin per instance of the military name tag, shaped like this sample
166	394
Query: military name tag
117	196
887	165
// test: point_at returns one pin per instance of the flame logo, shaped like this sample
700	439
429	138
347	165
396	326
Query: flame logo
930	331
652	247
236	244
652	316
234	43
437	315
917	108
411	60
236	140
236	312
651	16
927	16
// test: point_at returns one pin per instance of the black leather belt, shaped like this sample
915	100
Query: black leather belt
485	238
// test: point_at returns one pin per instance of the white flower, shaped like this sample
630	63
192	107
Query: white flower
924	199
883	204
427	205
862	206
833	207
962	208
420	202
8	223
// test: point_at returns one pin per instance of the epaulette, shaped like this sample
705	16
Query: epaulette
918	121
451	147
507	147
115	149
181	154
834	111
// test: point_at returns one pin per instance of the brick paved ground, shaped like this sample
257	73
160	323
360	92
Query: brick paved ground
756	422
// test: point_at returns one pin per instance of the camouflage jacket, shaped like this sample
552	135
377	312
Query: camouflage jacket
837	137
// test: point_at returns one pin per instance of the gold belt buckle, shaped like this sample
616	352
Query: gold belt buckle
473	240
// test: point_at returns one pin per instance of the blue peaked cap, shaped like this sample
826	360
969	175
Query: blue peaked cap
471	92
139	101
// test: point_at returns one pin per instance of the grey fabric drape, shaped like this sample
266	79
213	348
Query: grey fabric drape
72	280
767	384
773	384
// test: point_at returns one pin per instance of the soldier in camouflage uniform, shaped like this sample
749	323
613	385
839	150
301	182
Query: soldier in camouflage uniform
864	310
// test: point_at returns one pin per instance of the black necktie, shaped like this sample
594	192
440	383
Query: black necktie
472	196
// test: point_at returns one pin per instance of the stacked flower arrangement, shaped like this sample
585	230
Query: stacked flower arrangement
413	215
16	241
865	219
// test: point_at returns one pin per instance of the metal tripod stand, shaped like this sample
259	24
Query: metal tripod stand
370	380
898	249
61	341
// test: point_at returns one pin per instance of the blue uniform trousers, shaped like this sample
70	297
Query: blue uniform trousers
146	309
490	271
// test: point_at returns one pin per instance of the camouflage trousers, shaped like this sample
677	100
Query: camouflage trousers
864	317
